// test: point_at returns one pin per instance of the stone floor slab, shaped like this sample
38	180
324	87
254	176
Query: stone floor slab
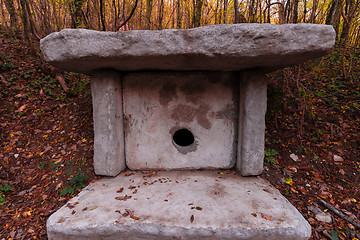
178	205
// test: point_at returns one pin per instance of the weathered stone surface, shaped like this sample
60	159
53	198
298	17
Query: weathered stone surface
178	205
158	106
218	47
109	158
251	134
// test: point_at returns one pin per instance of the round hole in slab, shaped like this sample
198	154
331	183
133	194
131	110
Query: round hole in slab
183	137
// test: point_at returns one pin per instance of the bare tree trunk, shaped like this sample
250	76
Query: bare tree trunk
178	14
349	13
236	10
77	18
305	12
251	16
295	11
10	7
333	17
25	20
287	11
7	27
161	13
225	10
197	12
217	20
148	12
102	15
313	11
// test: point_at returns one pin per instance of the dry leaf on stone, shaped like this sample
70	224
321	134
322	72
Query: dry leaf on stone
267	217
192	218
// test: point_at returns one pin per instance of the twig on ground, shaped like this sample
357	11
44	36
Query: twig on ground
62	83
340	214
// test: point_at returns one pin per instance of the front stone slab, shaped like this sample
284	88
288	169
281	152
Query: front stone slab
180	120
178	205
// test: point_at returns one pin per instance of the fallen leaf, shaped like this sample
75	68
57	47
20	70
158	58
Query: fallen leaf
120	190
267	217
289	181
21	108
192	218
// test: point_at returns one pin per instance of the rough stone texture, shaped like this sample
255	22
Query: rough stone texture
109	156
218	47
251	137
223	206
157	104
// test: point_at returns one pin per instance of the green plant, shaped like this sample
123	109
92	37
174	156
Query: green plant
77	182
269	156
4	189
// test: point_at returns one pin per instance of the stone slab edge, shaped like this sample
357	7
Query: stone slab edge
215	47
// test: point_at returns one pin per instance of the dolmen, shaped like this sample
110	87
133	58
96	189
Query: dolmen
179	130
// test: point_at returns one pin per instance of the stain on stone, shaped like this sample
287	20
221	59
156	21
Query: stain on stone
228	112
186	114
191	88
183	113
201	116
126	124
167	93
192	91
216	191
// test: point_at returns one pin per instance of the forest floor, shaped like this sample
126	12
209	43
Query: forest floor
312	140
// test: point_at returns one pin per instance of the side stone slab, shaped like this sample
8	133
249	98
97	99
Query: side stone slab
109	148
216	48
251	134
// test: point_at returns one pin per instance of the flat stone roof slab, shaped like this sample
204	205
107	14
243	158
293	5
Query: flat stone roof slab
178	205
224	47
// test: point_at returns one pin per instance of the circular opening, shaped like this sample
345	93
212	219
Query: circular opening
183	137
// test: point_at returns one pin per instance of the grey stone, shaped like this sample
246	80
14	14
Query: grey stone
109	158
251	135
178	205
217	47
159	109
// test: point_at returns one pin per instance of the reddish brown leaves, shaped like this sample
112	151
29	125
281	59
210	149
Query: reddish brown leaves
124	198
267	217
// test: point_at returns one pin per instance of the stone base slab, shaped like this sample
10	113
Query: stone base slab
178	205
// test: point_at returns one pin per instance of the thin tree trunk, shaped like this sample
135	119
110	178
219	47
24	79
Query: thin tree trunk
161	13
305	11
217	20
225	10
148	12
236	10
102	15
295	11
25	20
7	27
313	11
197	12
350	9
178	14
10	7
333	17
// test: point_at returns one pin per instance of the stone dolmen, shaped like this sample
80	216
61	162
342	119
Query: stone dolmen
179	109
